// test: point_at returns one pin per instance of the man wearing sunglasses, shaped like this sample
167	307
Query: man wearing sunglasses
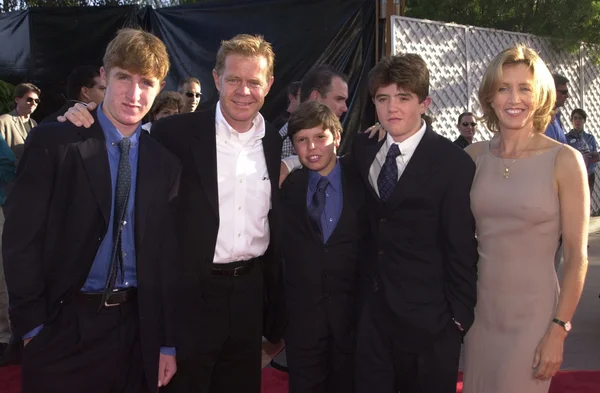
467	125
191	91
15	126
555	129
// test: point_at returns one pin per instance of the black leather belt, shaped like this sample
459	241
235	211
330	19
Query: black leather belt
116	298
233	269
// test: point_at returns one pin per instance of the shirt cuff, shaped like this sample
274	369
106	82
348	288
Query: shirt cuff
33	333
169	351
292	163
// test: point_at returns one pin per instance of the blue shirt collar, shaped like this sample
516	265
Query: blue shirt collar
111	133
334	177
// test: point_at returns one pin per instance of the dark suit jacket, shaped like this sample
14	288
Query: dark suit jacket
63	109
461	142
192	138
427	252
57	215
323	280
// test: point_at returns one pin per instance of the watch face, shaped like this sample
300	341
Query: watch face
568	326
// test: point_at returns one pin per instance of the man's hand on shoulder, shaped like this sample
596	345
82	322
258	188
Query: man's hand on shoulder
79	114
376	129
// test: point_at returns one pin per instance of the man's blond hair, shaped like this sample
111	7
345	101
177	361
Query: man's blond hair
138	52
246	45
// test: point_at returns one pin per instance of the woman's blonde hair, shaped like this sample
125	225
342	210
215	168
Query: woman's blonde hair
544	93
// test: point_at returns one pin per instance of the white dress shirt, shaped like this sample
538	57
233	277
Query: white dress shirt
244	191
407	148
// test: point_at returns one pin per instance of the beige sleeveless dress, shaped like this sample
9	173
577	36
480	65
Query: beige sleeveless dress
518	228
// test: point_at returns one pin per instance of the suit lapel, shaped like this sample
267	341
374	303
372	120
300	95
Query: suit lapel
204	152
19	124
371	149
147	173
272	152
296	192
421	166
95	161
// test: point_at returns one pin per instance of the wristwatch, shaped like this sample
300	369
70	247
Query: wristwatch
565	325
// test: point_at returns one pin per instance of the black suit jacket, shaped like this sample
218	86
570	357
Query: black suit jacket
57	215
63	109
192	138
427	251
324	280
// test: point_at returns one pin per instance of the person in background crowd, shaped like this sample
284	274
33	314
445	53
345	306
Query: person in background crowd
83	85
325	85
556	129
7	175
324	255
167	103
528	189
467	125
190	90
15	126
90	252
585	143
293	96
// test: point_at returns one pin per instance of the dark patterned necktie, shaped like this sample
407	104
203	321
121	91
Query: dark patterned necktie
121	196
388	177
317	205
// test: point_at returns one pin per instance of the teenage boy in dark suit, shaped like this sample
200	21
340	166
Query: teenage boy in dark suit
327	236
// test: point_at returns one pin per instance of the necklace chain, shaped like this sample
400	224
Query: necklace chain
507	167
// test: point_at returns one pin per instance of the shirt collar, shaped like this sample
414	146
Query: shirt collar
334	177
409	145
226	131
111	133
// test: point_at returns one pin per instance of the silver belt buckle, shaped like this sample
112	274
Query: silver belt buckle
236	270
111	305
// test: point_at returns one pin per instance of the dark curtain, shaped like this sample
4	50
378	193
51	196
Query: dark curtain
304	33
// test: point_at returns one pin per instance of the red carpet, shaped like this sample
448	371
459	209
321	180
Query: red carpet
275	381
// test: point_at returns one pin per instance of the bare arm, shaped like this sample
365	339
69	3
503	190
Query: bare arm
570	178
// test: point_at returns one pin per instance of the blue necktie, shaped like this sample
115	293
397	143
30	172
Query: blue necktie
388	177
317	206
121	196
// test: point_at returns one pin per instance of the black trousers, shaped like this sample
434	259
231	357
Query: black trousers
225	356
325	367
591	181
83	350
393	357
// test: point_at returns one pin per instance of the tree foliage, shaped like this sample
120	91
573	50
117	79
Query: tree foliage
568	21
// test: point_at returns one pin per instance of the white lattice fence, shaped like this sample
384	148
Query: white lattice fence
457	56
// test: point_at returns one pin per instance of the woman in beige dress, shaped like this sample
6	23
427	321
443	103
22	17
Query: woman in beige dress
528	189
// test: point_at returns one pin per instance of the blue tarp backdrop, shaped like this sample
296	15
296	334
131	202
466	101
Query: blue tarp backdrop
42	45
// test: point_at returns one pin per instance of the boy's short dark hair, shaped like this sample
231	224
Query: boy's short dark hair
407	71
80	77
559	80
312	114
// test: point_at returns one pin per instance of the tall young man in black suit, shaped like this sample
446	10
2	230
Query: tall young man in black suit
89	241
230	281
424	294
326	238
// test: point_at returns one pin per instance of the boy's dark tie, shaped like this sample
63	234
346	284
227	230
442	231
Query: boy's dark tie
388	177
121	196
315	210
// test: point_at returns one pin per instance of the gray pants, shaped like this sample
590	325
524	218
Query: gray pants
4	322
